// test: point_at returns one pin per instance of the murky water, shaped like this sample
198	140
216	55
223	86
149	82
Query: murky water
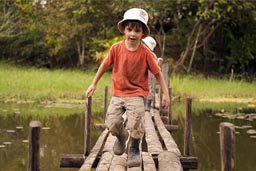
63	127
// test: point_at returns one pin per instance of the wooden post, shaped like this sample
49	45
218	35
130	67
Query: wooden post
34	145
170	108
105	102
154	94
165	69
160	102
187	129
227	143
87	129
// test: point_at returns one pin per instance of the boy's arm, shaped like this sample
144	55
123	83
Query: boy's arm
90	90
166	99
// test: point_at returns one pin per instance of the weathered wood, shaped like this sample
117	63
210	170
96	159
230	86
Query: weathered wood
165	119
171	128
71	160
154	94
87	165
87	126
169	161
148	162
187	129
34	145
105	162
170	108
189	162
153	144
108	147
165	70
119	163
227	142
105	102
157	100
107	156
160	102
109	161
165	135
76	161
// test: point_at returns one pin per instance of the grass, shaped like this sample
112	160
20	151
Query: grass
213	89
32	85
20	84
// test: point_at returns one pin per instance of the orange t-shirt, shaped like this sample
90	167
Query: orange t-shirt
130	69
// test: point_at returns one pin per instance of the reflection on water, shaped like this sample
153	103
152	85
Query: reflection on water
63	133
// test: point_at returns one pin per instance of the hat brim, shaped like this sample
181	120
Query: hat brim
121	28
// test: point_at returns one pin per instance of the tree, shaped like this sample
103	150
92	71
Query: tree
209	16
8	23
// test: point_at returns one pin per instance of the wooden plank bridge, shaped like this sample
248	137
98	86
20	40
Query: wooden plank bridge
159	152
162	152
158	149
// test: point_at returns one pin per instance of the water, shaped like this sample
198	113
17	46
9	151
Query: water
63	127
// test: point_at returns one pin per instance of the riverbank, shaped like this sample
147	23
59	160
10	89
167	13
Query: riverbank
32	85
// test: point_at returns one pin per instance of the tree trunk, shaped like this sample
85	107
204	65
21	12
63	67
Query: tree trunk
80	51
194	48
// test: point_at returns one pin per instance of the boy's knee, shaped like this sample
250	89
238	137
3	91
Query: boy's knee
115	126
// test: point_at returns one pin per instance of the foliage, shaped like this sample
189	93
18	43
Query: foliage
196	35
240	43
99	56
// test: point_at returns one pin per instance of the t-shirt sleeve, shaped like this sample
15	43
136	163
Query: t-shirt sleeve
152	63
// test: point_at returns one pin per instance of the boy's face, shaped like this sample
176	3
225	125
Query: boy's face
133	33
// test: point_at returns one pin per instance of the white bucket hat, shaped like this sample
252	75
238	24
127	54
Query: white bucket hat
150	42
135	14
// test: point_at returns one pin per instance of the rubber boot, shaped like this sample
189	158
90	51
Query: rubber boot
119	146
134	153
148	105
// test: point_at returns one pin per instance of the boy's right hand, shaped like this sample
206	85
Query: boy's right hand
90	90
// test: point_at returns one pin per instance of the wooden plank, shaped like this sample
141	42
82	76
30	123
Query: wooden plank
88	163
105	161
148	162
71	160
119	163
108	147
107	155
166	136
153	144
76	161
169	161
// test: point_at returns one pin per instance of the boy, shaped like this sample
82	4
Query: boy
131	61
151	44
